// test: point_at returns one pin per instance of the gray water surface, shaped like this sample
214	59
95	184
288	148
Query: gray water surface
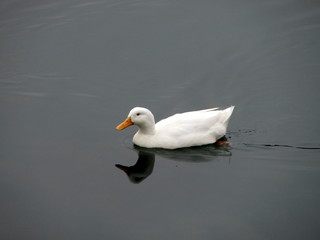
70	71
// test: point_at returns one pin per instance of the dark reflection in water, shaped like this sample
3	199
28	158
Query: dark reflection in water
145	163
142	169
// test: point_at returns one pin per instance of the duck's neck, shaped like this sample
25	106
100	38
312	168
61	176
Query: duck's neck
147	128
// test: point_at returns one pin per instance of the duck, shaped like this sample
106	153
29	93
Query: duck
181	130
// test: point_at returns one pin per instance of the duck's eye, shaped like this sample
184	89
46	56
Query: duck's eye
138	114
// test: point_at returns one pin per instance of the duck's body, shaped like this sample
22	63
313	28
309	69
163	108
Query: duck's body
180	130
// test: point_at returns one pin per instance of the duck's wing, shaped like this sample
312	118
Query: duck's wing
196	127
205	118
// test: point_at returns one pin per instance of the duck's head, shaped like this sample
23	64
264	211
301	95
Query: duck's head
139	116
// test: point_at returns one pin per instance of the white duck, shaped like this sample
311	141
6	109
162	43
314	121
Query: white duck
180	130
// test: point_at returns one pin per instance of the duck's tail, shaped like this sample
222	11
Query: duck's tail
227	115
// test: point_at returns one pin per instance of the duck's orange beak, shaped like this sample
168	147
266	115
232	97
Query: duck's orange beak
126	123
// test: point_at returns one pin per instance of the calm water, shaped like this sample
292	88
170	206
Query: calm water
70	71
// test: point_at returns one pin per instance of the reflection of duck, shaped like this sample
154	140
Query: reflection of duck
182	130
145	163
142	169
204	153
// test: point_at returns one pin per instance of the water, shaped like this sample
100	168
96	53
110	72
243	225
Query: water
72	70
